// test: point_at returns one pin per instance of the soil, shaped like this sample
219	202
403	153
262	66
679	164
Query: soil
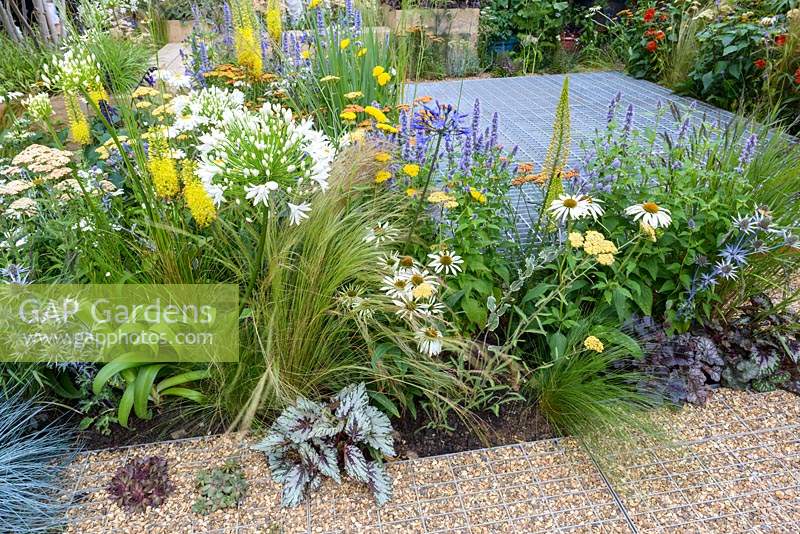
516	423
162	427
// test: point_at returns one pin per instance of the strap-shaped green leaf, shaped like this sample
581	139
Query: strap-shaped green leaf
144	383
182	378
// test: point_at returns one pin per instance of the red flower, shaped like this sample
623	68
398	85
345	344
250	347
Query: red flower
660	36
649	14
797	76
780	40
651	46
760	63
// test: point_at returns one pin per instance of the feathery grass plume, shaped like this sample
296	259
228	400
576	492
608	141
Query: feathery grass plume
162	166
197	198
558	152
32	463
296	340
79	129
246	36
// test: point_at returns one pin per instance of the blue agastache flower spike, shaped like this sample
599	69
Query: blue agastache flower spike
476	118
227	25
495	125
748	151
628	121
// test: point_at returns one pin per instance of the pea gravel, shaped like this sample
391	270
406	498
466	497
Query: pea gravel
732	466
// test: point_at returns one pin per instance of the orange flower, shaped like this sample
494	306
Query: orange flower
651	46
649	14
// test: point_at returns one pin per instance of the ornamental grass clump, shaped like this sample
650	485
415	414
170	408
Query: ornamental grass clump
33	464
312	440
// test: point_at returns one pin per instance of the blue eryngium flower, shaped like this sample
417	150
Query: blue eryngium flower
734	253
15	274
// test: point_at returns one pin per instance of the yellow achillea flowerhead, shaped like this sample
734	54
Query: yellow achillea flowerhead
592	343
383	157
595	244
477	195
605	259
423	290
162	167
199	202
347	115
648	231
376	114
79	129
382	176
384	78
575	239
352	95
387	128
411	169
438	197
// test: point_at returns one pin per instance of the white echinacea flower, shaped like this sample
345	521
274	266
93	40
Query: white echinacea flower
446	261
650	213
429	341
568	207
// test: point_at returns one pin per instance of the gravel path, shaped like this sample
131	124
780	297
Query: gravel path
734	466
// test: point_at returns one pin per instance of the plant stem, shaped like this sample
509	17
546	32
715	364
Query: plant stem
434	161
259	258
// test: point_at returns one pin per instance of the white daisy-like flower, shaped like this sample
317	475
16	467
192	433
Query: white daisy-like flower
418	276
298	212
650	213
380	233
429	341
568	207
396	286
446	261
259	194
435	307
408	308
391	260
594	207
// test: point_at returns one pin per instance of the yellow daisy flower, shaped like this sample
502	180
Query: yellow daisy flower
411	169
382	176
384	78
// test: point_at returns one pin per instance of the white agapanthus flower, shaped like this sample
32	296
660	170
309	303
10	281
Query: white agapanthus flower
259	194
257	155
650	213
298	212
204	108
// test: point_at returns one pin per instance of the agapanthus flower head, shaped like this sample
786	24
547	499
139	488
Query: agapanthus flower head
439	119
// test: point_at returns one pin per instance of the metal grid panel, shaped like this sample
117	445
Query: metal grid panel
526	107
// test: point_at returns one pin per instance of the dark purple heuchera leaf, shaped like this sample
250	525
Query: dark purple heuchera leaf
140	483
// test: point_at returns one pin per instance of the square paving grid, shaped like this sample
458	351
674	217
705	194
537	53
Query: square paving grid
734	467
526	107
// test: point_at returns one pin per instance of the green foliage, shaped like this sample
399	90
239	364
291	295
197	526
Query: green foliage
141	483
141	384
122	61
20	64
220	488
311	440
